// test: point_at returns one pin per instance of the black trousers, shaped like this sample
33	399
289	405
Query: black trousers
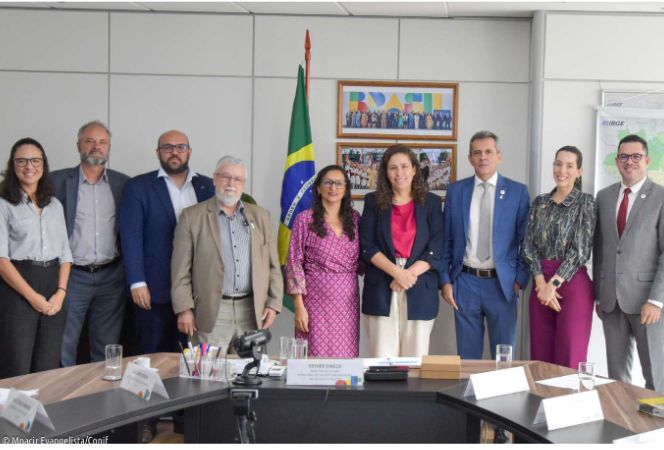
31	340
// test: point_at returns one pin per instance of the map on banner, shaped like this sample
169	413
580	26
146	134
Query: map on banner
641	114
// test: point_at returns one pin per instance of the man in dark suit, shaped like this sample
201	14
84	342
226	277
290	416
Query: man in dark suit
151	206
90	194
482	271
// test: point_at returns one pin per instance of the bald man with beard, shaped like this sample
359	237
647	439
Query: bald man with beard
151	206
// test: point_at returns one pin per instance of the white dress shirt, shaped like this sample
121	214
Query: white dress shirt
631	196
181	198
470	258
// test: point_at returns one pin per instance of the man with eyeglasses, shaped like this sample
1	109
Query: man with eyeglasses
628	266
226	274
151	207
90	194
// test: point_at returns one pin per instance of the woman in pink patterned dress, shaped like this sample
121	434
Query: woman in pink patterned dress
321	273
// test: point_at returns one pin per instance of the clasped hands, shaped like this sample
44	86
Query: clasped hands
403	280
548	295
49	307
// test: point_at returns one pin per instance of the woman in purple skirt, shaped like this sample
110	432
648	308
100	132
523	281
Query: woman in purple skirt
558	243
321	272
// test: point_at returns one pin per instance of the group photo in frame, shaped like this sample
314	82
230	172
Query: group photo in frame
397	110
360	161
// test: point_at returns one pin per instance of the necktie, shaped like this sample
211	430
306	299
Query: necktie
484	226
622	212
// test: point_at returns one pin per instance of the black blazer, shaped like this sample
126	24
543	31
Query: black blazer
376	236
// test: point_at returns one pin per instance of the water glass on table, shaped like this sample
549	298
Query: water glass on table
300	349
113	362
503	356
292	348
586	376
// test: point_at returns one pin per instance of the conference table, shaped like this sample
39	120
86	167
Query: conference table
80	405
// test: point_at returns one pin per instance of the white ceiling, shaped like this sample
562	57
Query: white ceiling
351	8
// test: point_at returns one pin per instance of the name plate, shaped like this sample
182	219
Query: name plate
142	381
498	382
21	411
568	410
325	372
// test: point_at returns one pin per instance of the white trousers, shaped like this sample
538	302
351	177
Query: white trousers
395	335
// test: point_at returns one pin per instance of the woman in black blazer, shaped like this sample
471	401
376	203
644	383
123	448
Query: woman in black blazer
401	238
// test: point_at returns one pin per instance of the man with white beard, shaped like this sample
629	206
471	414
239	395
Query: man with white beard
90	194
225	268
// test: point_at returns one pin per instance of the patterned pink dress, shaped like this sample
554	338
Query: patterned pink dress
324	271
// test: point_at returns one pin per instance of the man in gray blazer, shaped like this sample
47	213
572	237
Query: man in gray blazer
90	194
628	266
225	270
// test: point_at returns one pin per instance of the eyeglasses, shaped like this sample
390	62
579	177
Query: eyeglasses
228	179
170	148
330	183
624	157
23	162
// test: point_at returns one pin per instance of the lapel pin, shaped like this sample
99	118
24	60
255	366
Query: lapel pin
643	195
502	193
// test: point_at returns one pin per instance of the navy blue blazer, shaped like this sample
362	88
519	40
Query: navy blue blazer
65	185
510	215
376	236
147	225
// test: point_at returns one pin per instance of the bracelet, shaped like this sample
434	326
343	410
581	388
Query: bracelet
61	289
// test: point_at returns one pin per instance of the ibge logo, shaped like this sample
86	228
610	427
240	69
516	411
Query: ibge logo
613	123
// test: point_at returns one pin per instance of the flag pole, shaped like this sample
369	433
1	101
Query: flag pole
307	58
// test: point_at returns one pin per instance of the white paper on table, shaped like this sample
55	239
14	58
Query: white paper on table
4	394
397	361
142	382
571	381
568	410
649	437
497	382
21	410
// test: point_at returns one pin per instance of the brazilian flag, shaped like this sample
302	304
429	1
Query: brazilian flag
299	172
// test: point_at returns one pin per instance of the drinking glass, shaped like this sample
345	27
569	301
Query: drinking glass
586	376
300	349
286	349
113	362
503	356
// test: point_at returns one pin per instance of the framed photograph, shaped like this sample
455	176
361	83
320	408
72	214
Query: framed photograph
360	160
397	110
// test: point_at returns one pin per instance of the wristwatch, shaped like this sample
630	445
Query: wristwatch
556	283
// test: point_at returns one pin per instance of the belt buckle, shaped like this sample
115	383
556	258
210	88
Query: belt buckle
483	273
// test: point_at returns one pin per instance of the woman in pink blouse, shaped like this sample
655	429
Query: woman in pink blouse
321	272
401	235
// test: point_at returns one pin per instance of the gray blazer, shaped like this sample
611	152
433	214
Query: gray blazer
630	269
65	186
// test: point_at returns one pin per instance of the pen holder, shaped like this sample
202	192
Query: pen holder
207	369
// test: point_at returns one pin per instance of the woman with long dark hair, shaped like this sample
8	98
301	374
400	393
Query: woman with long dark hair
34	264
557	245
401	237
321	272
